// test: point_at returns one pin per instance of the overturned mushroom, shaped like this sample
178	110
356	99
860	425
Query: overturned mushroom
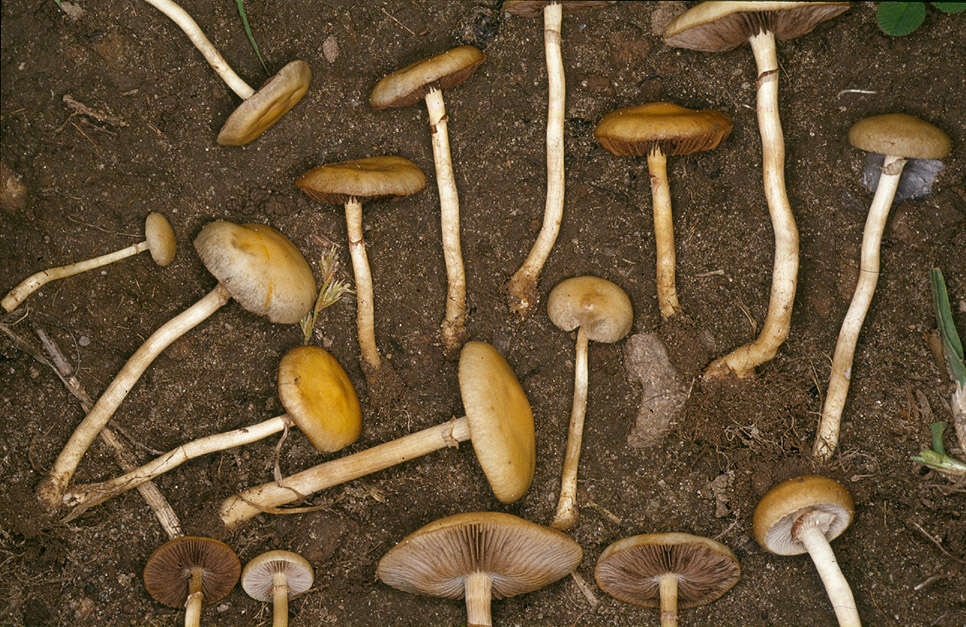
277	576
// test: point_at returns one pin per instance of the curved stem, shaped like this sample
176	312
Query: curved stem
365	314
668	587
279	600
478	589
667	295
810	531
838	385
192	605
566	515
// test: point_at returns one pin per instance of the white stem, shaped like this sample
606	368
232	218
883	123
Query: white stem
838	385
192	605
478	589
667	294
279	600
217	62
365	314
566	515
668	587
810	531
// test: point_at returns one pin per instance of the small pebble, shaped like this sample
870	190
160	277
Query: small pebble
84	340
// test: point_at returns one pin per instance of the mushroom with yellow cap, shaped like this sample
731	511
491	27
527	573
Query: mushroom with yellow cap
277	576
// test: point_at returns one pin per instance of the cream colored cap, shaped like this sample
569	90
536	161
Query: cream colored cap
259	575
160	238
410	84
262	109
598	306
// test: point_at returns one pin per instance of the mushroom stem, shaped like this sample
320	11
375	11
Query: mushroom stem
522	287
742	361
264	498
35	281
838	385
192	605
279	600
453	330
668	586
566	515
478	591
217	62
365	315
810	530
50	491
667	296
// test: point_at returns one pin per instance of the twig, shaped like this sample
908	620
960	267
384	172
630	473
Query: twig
393	18
585	590
937	543
856	91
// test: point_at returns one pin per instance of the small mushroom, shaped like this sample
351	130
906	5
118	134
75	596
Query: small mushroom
498	420
277	576
190	572
254	264
667	570
803	515
600	311
657	130
158	240
898	137
426	79
479	556
260	109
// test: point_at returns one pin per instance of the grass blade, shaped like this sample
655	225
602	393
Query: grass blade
248	31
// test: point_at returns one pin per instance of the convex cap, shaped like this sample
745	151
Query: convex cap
371	178
780	508
601	308
900	135
160	238
410	84
262	109
258	577
167	572
662	127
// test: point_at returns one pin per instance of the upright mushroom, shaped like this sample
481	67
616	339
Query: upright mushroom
254	264
479	556
277	576
721	26
656	130
426	79
898	137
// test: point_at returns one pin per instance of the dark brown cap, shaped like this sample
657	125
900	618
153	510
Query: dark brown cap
532	8
372	178
900	135
168	570
410	84
663	127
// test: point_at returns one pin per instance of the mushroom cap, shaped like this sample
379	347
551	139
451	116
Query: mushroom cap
257	113
518	555
721	26
662	127
257	578
630	569
318	395
600	307
532	8
410	84
160	238
372	178
500	420
260	267
168	570
786	502
900	135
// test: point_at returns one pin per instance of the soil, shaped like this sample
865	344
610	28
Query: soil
80	180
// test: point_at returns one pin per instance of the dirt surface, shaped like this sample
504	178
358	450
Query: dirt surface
145	142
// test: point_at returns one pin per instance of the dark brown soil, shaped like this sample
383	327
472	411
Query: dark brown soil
146	143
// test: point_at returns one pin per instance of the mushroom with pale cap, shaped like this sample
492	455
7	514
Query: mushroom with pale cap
158	240
656	130
254	264
899	137
479	556
667	570
600	311
803	515
498	420
277	576
260	109
426	79
722	26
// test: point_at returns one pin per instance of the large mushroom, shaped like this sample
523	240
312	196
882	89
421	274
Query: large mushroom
722	26
600	311
655	131
277	576
479	556
498	420
254	264
898	137
426	79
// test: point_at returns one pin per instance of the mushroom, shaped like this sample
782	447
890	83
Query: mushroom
254	264
656	130
426	79
158	240
498	420
259	109
803	515
317	396
479	556
721	26
667	570
277	576
600	311
522	287
190	572
897	137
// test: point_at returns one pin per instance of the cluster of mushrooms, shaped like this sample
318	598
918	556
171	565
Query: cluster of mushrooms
487	555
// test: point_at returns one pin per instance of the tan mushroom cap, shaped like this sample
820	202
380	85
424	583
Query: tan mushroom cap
318	395
262	109
500	420
160	238
721	26
532	8
900	135
520	556
257	578
661	126
260	267
410	84
371	178
778	510
630	569
598	306
167	572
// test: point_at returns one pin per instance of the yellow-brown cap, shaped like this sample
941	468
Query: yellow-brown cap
262	109
900	135
532	8
601	308
780	508
372	178
410	84
663	127
160	238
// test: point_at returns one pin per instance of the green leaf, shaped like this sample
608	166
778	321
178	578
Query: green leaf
952	346
950	7
900	18
248	32
936	429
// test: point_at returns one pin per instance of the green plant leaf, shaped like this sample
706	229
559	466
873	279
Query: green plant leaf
248	32
900	18
950	7
952	345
